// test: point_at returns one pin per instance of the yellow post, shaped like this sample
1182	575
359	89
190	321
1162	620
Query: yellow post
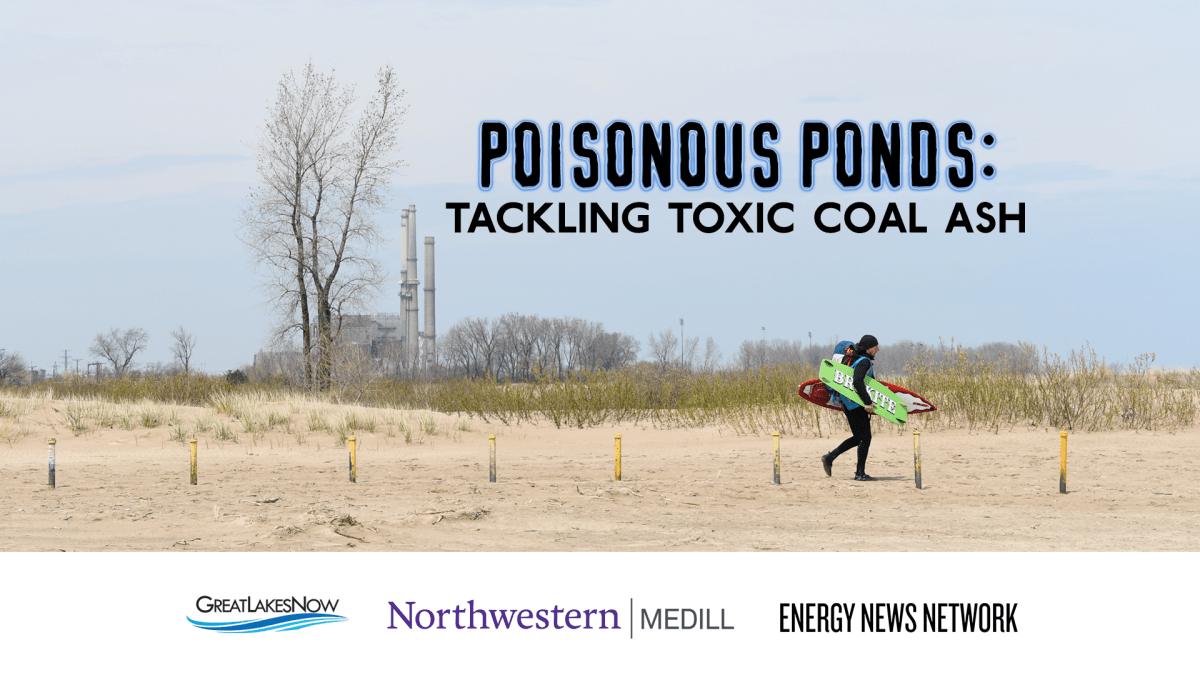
618	466
353	462
917	457
193	441
775	435
1062	463
52	442
492	458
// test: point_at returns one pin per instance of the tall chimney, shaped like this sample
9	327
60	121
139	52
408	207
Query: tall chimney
430	346
411	316
404	295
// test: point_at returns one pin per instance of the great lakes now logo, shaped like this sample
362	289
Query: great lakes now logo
289	613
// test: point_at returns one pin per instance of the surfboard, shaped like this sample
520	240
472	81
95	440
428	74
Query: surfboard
840	378
814	391
817	392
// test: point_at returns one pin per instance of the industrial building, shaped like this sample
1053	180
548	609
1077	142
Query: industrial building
395	342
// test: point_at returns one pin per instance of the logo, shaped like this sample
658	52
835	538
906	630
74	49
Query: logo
289	613
470	617
683	618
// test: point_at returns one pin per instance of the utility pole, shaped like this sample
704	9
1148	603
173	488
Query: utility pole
681	343
763	356
65	363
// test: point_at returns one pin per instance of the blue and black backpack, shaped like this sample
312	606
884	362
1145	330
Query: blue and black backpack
843	353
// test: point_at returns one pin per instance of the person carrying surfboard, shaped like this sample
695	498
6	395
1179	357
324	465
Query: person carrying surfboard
858	416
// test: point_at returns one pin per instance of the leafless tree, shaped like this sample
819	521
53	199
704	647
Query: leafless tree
663	348
119	348
515	347
12	368
689	352
182	348
310	221
614	350
712	356
469	347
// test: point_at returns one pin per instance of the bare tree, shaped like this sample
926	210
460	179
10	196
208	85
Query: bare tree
119	348
663	348
12	368
515	347
182	348
615	350
712	355
309	223
470	347
750	355
273	224
689	352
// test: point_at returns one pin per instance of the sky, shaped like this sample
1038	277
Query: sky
131	131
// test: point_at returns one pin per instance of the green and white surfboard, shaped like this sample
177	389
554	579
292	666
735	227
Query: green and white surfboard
840	378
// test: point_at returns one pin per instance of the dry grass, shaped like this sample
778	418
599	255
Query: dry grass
1030	389
223	432
180	433
1077	392
13	406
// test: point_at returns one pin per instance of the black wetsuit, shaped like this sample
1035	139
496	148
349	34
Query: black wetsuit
857	416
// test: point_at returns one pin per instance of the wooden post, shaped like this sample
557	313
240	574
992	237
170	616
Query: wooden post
52	443
618	458
775	435
491	458
193	441
1062	463
917	457
353	462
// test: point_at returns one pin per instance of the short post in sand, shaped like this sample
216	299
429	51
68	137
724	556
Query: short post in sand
353	461
491	458
52	442
1062	463
775	435
917	457
617	472
193	442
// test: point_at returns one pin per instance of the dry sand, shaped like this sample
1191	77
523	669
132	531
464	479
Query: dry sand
682	490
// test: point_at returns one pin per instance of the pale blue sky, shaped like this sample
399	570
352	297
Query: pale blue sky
129	133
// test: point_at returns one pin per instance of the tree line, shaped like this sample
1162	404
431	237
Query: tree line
891	360
516	347
115	351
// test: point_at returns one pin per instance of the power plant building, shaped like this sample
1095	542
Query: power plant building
394	341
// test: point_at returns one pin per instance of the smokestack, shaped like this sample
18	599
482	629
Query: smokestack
403	241
430	324
405	344
410	316
410	244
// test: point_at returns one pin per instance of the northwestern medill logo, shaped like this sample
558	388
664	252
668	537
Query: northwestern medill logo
290	613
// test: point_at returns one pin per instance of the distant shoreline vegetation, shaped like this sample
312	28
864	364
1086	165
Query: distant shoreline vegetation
992	388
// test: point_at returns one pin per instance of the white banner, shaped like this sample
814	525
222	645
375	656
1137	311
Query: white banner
598	612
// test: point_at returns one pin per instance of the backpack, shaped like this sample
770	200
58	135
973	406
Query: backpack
843	353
